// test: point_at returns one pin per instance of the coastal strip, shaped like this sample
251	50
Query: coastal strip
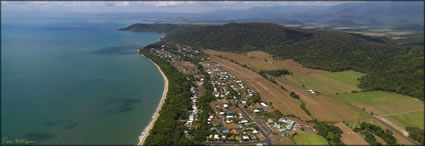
145	132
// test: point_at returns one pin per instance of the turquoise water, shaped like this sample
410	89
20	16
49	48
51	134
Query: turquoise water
76	82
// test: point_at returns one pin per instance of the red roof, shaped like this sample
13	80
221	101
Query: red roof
234	131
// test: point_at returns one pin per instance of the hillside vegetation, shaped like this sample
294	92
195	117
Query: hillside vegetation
389	67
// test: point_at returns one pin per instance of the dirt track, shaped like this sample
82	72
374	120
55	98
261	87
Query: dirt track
269	92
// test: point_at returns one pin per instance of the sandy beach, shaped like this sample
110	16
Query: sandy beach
143	137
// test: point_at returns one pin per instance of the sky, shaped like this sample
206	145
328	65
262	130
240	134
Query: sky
140	6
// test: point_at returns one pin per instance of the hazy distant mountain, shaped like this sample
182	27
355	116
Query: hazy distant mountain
396	15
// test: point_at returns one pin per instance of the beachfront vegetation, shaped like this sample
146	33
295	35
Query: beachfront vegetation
391	68
167	129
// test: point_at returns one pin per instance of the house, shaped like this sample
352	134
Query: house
255	131
256	111
245	137
263	104
240	115
225	105
270	121
229	112
228	121
234	131
216	136
276	125
225	131
221	113
244	102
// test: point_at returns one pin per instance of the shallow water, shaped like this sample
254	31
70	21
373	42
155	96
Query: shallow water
76	81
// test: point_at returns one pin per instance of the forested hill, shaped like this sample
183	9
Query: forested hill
389	67
160	28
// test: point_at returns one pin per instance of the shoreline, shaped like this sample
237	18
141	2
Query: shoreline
145	132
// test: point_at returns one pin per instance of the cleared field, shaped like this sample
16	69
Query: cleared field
399	109
349	137
263	61
341	82
348	77
384	102
325	84
308	138
411	119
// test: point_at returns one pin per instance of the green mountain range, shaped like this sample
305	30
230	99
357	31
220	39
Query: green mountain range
388	66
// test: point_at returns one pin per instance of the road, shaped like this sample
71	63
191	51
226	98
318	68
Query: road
260	128
234	143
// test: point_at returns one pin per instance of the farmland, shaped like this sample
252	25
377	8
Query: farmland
329	83
383	102
411	119
308	138
318	105
350	137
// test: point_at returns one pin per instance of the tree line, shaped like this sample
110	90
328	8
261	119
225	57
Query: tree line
167	129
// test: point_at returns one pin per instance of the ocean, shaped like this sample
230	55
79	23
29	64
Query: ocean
70	81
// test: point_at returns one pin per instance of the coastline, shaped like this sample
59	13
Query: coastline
146	131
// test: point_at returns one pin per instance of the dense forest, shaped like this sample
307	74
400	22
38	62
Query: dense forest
389	67
168	129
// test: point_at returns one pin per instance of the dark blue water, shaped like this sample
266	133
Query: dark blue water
76	82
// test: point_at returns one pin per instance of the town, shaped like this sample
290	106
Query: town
239	115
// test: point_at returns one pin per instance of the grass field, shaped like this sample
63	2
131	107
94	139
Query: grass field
307	138
348	77
412	119
404	110
385	102
329	82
